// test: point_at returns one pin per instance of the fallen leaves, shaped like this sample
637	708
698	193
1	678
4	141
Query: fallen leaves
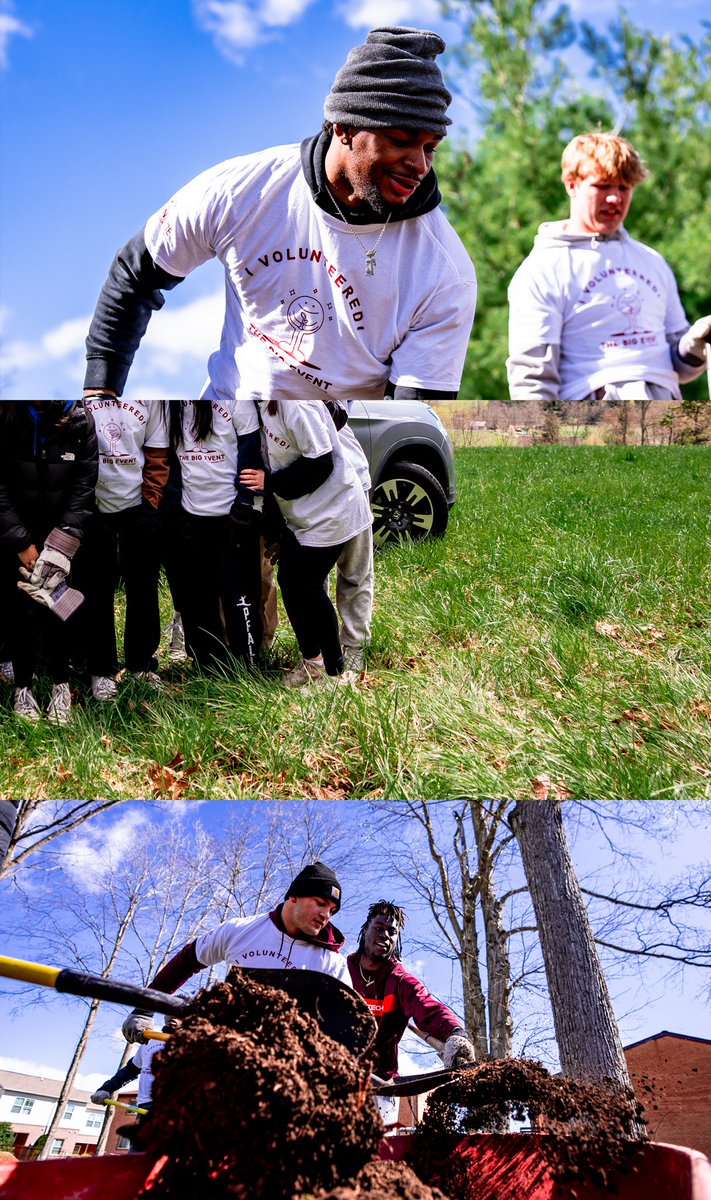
544	788
171	780
639	641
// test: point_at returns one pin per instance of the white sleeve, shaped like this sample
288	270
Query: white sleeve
213	947
245	418
535	310
339	968
432	353
310	427
156	427
184	234
138	1057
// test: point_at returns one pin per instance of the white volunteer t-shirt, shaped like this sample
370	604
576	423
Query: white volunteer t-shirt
209	468
123	429
608	304
143	1058
301	316
256	942
338	509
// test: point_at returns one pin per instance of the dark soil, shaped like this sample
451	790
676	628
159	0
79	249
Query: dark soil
381	1180
251	1100
589	1130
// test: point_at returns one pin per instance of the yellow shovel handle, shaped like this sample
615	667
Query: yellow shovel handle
129	1107
156	1035
29	972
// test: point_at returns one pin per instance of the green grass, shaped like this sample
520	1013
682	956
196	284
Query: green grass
559	630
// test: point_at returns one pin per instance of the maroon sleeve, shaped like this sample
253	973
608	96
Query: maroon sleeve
429	1014
177	970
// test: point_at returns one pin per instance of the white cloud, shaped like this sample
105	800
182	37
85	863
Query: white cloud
10	26
370	14
237	25
88	855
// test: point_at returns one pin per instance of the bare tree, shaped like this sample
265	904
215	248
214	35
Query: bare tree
39	822
586	1029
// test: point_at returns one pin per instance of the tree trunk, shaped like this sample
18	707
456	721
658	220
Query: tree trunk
69	1080
129	1051
498	965
588	1039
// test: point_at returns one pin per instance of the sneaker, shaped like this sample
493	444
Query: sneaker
353	659
60	704
103	687
150	678
6	672
176	646
305	673
347	678
25	705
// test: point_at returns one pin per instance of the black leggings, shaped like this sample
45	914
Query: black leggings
217	579
27	626
303	572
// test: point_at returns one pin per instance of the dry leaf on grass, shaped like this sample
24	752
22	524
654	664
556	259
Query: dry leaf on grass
636	714
168	780
545	789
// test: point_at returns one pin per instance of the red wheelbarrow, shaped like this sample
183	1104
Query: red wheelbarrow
495	1167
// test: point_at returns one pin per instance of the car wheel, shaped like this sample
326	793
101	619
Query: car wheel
408	502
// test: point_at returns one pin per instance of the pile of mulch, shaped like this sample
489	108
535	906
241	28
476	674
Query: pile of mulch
380	1180
251	1100
589	1131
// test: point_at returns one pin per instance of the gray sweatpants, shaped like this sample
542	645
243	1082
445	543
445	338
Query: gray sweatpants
355	580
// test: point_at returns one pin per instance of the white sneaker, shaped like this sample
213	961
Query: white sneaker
353	659
59	709
176	646
103	687
305	673
6	672
25	705
347	678
150	678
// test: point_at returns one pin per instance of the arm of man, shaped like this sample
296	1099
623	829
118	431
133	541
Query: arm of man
688	349
535	333
123	1076
435	1018
133	291
301	477
534	373
80	505
180	968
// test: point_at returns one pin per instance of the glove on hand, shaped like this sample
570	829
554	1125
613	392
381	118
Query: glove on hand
458	1051
692	344
52	566
100	1096
136	1024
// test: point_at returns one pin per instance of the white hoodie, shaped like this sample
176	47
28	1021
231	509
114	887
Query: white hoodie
610	304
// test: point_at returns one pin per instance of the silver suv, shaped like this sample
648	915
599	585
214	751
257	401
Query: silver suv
411	464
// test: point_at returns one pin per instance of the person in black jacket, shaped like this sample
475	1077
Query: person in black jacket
48	472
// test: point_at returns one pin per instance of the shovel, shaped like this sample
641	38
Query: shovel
339	1012
133	1108
415	1085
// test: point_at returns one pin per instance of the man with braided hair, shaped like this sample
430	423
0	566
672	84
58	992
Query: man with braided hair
395	996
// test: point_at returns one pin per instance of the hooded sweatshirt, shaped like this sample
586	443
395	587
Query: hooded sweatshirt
260	941
609	304
394	996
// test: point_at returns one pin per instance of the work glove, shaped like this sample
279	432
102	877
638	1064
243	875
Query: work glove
136	1024
100	1096
458	1051
47	581
692	344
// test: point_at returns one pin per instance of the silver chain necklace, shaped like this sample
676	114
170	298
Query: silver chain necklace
366	980
369	254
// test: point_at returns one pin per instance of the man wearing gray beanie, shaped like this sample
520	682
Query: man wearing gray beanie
344	279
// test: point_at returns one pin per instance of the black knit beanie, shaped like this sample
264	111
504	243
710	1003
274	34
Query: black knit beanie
316	880
392	82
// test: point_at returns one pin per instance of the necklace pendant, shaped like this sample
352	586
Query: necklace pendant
370	262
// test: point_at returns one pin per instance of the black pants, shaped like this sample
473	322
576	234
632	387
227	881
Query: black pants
303	571
217	579
120	545
29	626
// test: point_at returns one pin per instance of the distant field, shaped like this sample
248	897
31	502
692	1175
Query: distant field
556	641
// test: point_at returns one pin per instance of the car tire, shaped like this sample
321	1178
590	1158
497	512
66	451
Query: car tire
408	502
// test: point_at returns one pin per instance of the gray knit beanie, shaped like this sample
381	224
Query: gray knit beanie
392	82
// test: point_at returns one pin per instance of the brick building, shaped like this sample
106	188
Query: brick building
679	1068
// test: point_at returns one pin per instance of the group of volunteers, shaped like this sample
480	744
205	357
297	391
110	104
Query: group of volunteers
298	934
344	281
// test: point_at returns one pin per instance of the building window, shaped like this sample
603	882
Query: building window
123	1143
69	1111
22	1105
56	1148
94	1120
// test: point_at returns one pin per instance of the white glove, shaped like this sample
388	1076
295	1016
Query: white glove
135	1025
692	344
51	568
458	1051
100	1096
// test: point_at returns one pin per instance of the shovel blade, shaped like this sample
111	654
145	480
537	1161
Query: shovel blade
339	1010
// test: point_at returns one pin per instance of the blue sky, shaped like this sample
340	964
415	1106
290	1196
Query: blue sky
108	108
40	1039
